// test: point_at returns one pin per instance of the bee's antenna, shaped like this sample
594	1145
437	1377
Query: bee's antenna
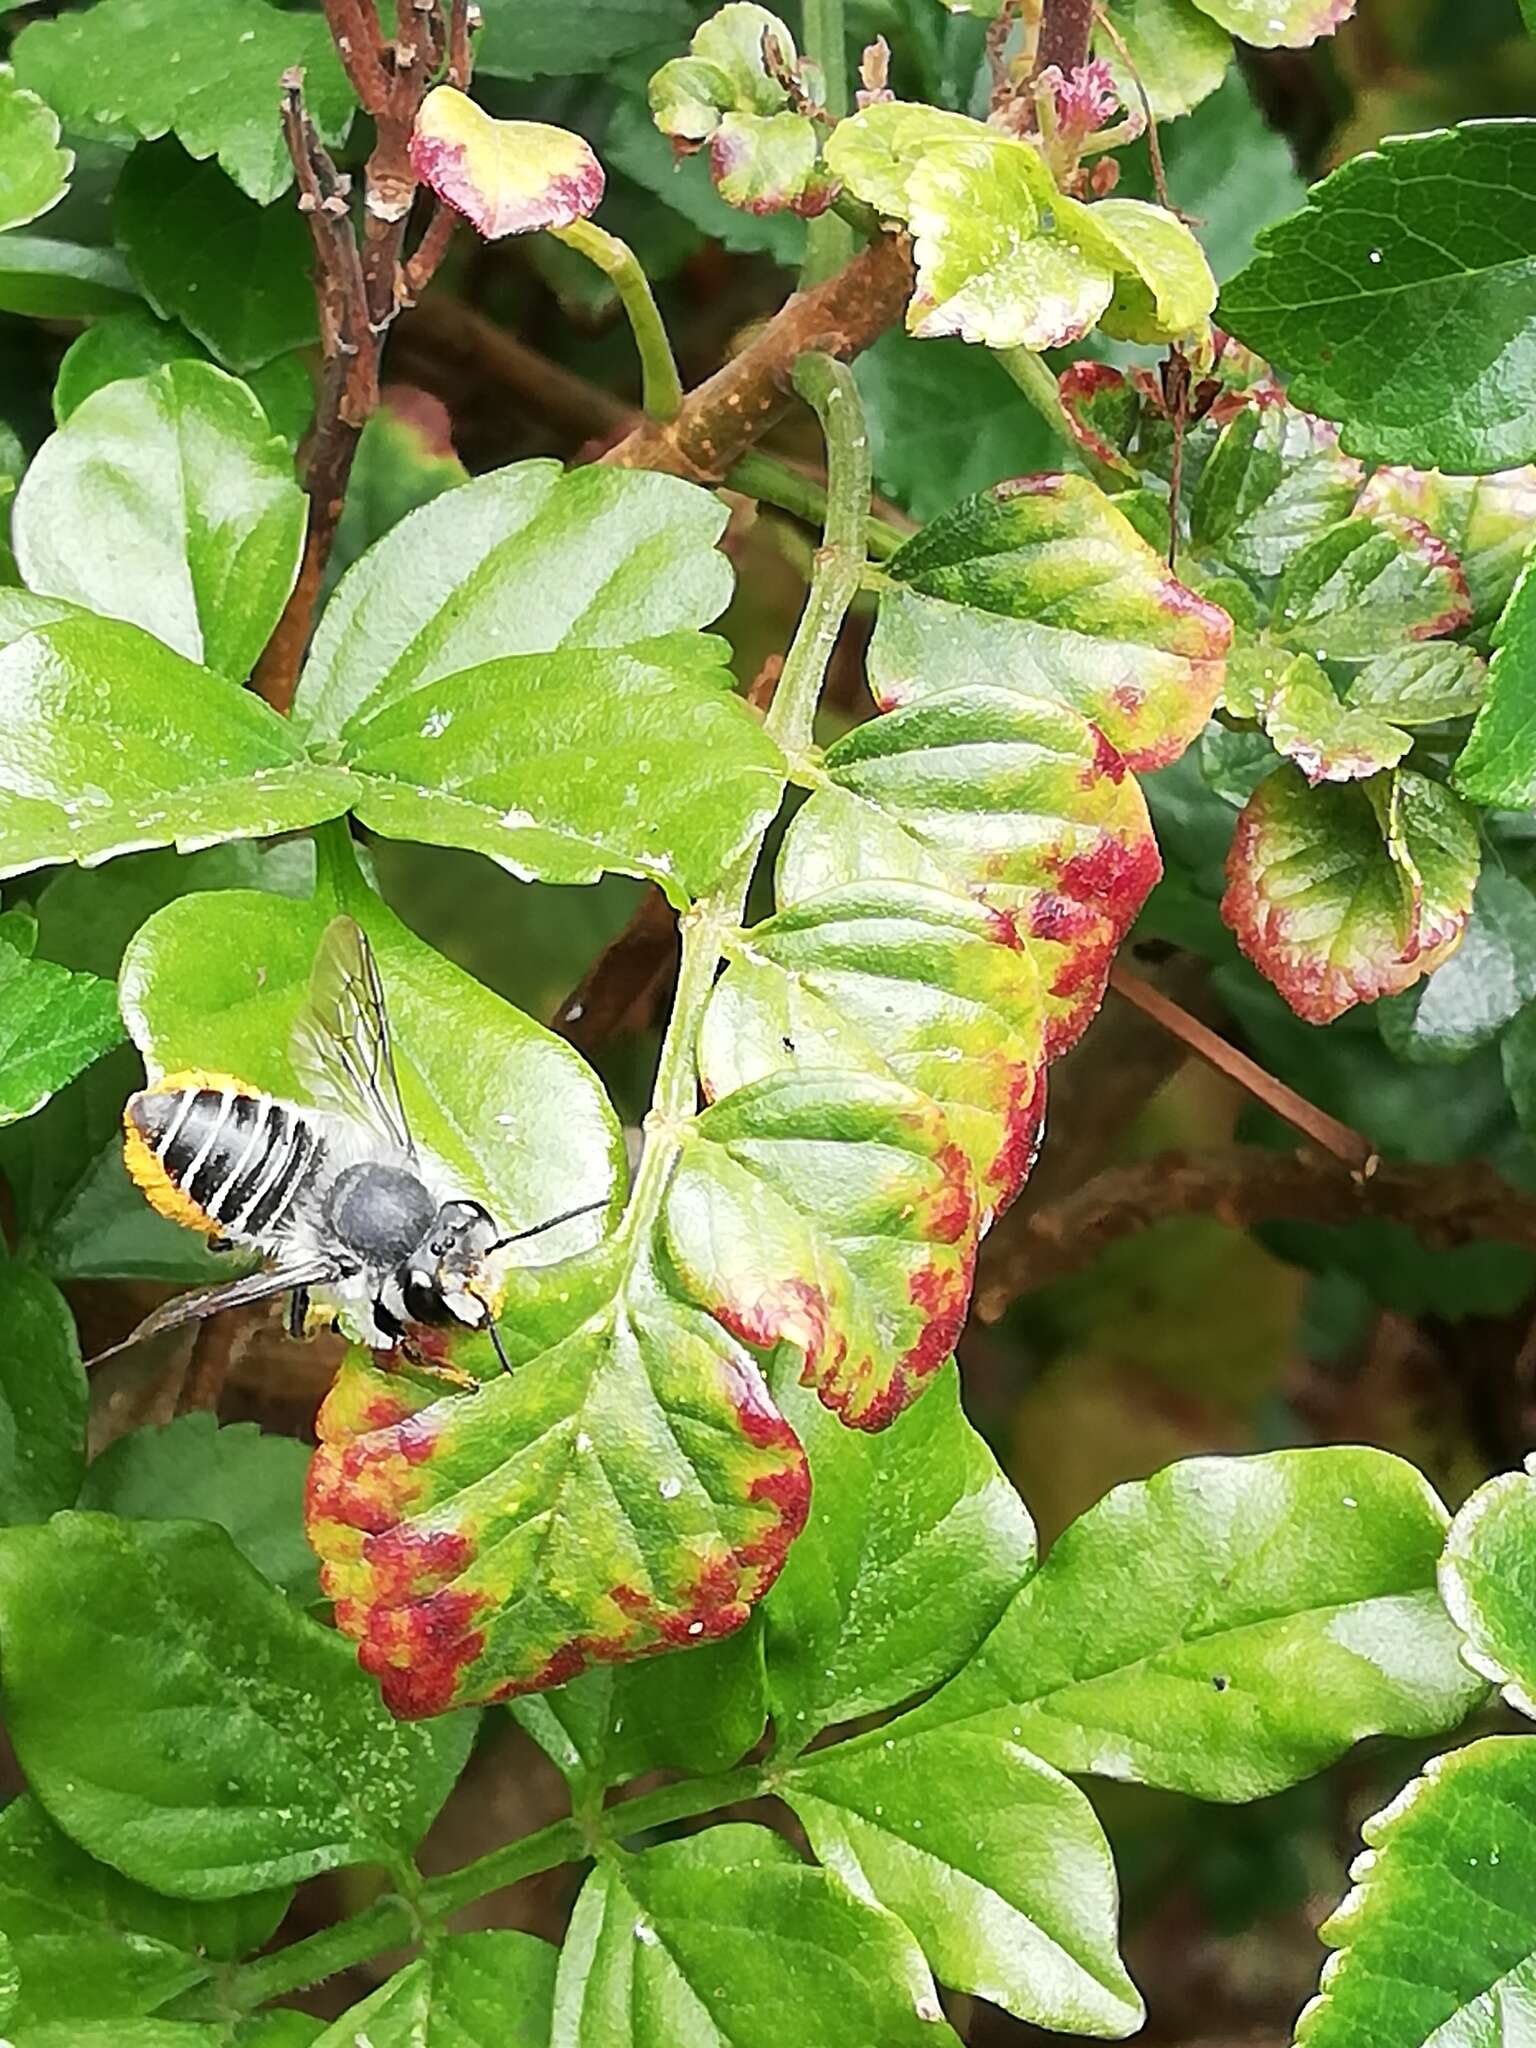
497	1346
551	1223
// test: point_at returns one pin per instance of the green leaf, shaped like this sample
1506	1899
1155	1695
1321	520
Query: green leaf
34	171
876	151
1484	520
762	154
507	177
1366	583
729	1939
1437	1940
1337	904
216	981
1498	764
1226	1628
491	1990
1402	300
183	470
635	146
830	1211
1001	257
922	401
994	1860
525	42
404	460
53	1024
913	983
698	1712
1164	288
235	273
916	1543
1179	54
113	743
1420	685
1485	1576
512	670
90	1944
1488	980
61	280
1044	586
106	71
1271	24
1274	481
252	1485
1329	741
286	1762
135	343
43	1399
636	1492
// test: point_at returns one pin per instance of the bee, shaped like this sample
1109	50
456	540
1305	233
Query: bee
335	1194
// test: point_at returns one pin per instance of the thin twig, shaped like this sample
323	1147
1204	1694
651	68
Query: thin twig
1244	1185
355	31
661	387
1154	146
1314	1123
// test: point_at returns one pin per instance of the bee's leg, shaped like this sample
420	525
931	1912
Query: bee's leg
298	1311
417	1354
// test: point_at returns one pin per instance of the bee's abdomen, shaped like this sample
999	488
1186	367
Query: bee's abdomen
218	1158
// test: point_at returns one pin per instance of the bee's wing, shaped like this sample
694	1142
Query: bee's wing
341	1045
311	1271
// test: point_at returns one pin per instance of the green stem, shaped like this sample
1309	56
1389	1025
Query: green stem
829	240
771	482
390	1922
661	389
1033	378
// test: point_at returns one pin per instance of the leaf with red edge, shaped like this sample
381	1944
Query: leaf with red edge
1486	520
1329	741
1351	891
1044	586
1285	24
633	1489
1104	410
833	1212
988	792
902	980
1366	584
507	177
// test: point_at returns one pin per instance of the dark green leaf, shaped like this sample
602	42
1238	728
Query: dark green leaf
135	343
915	1544
524	42
1366	583
994	1860
1226	1628
91	1944
52	1025
235	273
1402	300
1498	763
207	70
1273	482
192	1470
1484	520
182	469
492	1990
1438	1938
729	1941
510	670
698	1711
112	743
61	280
42	1398
1488	979
191	1726
34	171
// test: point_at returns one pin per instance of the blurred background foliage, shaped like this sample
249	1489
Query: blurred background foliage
1190	1337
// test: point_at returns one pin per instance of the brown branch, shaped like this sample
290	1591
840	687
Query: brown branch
725	415
1306	1117
625	979
355	31
1244	1185
454	339
1066	34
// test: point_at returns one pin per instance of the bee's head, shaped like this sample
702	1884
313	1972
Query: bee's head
438	1282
